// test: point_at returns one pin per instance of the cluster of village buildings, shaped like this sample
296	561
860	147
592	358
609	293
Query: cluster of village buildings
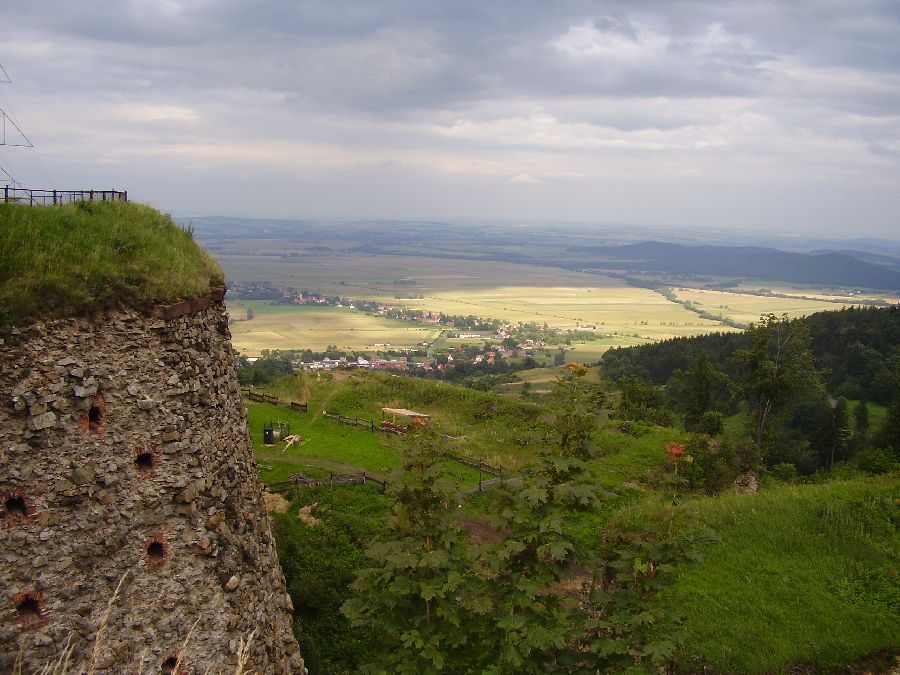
488	355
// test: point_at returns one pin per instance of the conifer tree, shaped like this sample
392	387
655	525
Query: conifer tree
832	431
861	416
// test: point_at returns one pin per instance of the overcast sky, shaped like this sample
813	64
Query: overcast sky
765	115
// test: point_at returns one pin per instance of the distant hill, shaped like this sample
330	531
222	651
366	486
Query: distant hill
829	268
890	262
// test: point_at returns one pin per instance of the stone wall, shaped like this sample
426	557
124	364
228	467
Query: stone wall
124	453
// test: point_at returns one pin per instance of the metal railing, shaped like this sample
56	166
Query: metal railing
17	195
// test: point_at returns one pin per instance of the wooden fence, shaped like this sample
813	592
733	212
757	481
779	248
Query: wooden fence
274	400
479	464
333	480
351	421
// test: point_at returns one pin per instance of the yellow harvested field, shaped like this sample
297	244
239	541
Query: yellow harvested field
748	308
817	293
506	291
288	327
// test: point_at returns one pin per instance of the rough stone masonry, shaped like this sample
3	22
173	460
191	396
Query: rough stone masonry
125	457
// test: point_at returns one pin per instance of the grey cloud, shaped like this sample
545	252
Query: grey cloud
402	78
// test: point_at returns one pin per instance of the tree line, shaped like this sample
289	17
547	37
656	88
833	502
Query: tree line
792	378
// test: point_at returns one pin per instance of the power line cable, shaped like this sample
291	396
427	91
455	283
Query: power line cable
4	116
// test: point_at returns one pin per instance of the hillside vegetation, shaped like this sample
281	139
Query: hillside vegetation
89	256
800	575
689	572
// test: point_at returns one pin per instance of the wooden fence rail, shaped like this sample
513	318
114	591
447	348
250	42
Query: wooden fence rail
333	480
351	421
479	464
274	400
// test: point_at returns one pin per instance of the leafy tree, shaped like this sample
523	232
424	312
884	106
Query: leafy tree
534	627
643	403
776	370
419	593
712	423
700	389
888	435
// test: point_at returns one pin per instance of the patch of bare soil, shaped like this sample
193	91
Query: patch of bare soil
481	531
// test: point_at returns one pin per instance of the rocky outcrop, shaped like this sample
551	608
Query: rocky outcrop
125	457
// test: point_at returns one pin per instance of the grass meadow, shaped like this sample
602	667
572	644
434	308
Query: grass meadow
803	575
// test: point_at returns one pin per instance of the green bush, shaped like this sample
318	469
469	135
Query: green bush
714	466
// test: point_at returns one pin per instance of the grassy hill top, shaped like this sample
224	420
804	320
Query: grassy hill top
86	257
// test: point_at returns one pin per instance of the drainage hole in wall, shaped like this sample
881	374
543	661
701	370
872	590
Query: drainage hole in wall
168	666
15	506
144	461
28	609
156	550
95	417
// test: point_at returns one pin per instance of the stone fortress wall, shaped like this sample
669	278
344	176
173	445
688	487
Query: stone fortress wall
124	452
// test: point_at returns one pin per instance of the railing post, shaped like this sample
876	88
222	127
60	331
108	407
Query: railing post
5	194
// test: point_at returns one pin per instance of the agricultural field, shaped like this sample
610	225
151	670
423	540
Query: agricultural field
748	308
561	298
296	327
819	293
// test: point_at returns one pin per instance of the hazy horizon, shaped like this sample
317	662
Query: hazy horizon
754	116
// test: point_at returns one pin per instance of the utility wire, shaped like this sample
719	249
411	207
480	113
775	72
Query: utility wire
5	78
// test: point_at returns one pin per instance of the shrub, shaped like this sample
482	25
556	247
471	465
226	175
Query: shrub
715	464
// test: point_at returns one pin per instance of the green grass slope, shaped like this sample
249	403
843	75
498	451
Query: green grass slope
86	257
804	576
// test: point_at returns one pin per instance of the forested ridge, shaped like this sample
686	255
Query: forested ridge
856	351
795	384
